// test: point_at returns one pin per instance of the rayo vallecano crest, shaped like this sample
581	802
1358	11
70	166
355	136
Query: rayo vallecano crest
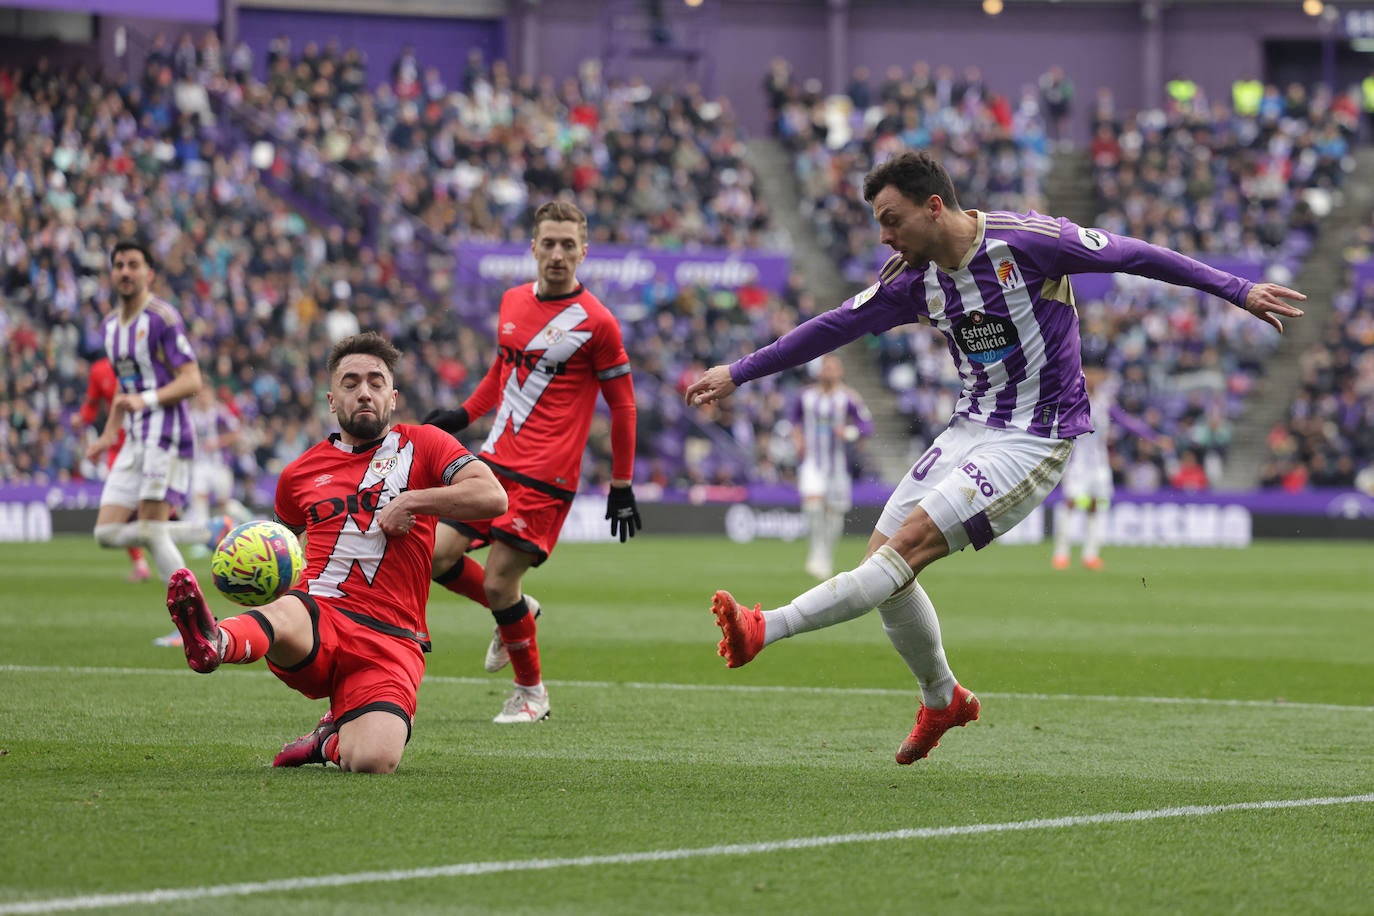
383	466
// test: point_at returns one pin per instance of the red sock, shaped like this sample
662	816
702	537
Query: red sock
330	749
245	639
465	578
136	554
523	648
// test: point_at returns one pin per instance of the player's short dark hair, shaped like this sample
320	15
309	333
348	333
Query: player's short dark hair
561	211
368	343
133	245
917	175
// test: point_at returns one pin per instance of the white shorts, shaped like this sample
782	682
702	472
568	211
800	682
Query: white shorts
140	473
1086	484
213	480
977	483
837	490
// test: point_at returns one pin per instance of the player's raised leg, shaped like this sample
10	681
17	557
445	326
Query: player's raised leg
200	635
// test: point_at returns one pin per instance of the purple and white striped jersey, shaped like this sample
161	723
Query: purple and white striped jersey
1007	314
822	417
146	353
210	424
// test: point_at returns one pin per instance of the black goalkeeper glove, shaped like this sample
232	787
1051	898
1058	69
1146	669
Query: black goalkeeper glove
623	513
450	421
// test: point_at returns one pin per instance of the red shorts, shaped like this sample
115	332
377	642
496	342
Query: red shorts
360	669
531	524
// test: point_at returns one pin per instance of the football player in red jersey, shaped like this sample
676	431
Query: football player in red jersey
557	348
367	501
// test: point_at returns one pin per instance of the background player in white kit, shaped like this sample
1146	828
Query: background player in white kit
828	418
212	477
1087	485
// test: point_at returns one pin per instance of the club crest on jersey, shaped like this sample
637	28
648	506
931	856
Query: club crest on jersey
383	466
1008	274
553	335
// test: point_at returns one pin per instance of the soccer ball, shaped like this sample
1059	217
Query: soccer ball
257	562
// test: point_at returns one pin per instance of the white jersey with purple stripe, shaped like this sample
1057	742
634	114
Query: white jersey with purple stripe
1007	315
208	425
146	353
822	417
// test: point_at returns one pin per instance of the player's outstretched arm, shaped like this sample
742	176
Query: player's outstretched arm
714	384
1266	302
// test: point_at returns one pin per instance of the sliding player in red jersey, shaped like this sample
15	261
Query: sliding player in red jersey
557	348
367	501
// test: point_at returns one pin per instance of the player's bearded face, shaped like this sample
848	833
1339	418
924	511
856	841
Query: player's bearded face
131	275
363	397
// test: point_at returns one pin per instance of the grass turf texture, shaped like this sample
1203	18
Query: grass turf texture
122	773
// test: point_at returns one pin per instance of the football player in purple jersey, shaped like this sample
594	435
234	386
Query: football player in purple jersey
156	374
996	285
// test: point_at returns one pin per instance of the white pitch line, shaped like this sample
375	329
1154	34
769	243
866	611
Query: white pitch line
745	688
468	869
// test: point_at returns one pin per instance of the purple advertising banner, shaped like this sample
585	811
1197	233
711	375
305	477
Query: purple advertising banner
172	10
611	269
1327	503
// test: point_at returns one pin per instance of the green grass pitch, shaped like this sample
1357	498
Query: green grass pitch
1189	731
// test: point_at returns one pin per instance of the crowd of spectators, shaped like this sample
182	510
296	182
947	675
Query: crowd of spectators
1204	180
86	160
216	168
1196	178
658	167
1327	439
994	145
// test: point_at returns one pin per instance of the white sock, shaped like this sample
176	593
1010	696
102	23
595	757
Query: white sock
850	594
1092	534
833	527
911	625
815	525
1063	515
158	539
188	532
119	535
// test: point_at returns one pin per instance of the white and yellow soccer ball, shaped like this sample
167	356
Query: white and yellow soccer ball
257	563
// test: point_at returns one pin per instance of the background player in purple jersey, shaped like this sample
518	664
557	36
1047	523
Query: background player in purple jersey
156	373
996	285
828	418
